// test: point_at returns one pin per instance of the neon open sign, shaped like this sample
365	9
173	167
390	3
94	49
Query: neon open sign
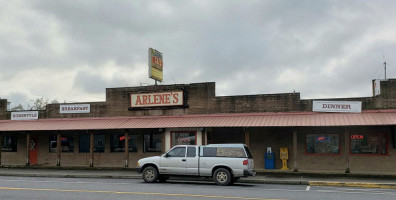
322	139
357	137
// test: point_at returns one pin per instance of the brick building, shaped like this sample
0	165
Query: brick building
136	122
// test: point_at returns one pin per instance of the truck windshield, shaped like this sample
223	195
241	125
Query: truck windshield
248	152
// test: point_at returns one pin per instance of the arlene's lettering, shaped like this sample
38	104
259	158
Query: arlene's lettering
157	99
175	98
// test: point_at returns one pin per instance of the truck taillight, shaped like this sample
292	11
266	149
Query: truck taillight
245	162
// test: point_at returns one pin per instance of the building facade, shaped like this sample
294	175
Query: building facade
136	122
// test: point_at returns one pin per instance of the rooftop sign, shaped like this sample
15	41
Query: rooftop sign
75	108
377	87
142	100
25	115
155	61
337	106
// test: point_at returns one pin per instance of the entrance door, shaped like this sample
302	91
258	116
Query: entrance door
33	150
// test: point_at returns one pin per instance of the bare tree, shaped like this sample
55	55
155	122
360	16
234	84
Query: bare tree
41	103
54	101
18	108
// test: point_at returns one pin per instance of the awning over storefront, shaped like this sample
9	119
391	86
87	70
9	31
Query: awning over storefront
301	119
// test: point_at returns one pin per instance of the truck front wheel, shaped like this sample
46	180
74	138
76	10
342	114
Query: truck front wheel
150	174
222	176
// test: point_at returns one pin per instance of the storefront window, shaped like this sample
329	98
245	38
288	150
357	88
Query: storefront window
180	138
152	142
369	144
52	144
117	143
99	143
84	143
9	144
67	144
322	144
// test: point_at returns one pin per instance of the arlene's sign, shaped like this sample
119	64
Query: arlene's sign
142	100
25	115
337	106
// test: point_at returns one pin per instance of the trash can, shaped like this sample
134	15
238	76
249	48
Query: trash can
269	161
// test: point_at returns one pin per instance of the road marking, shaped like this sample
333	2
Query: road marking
358	192
308	187
352	184
141	193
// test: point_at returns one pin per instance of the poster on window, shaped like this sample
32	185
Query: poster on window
371	144
183	138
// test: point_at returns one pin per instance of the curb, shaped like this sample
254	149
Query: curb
257	181
284	182
353	184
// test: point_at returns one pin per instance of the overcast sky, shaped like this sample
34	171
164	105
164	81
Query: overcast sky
72	50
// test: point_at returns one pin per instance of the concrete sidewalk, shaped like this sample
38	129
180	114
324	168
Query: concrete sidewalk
318	179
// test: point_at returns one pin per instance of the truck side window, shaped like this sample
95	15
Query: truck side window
177	152
209	151
191	152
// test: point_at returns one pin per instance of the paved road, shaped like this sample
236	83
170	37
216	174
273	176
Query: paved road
43	188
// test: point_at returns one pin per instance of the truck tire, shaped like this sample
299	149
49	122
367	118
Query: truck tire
150	174
222	176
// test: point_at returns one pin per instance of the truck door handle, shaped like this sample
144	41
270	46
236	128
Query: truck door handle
184	160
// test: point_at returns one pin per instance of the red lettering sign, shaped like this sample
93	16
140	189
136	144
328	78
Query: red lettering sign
357	137
174	98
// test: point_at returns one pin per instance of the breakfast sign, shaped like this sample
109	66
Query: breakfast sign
145	100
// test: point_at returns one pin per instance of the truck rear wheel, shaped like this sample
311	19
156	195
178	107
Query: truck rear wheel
150	174
222	176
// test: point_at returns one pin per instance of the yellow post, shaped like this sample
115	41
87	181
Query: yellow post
284	155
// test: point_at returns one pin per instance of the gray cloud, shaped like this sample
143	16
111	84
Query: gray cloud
318	48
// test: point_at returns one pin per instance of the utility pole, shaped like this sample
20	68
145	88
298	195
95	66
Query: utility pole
385	68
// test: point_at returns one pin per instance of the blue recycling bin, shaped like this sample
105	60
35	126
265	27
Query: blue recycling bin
269	161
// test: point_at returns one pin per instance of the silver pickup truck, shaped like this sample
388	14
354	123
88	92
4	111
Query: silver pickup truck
226	163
